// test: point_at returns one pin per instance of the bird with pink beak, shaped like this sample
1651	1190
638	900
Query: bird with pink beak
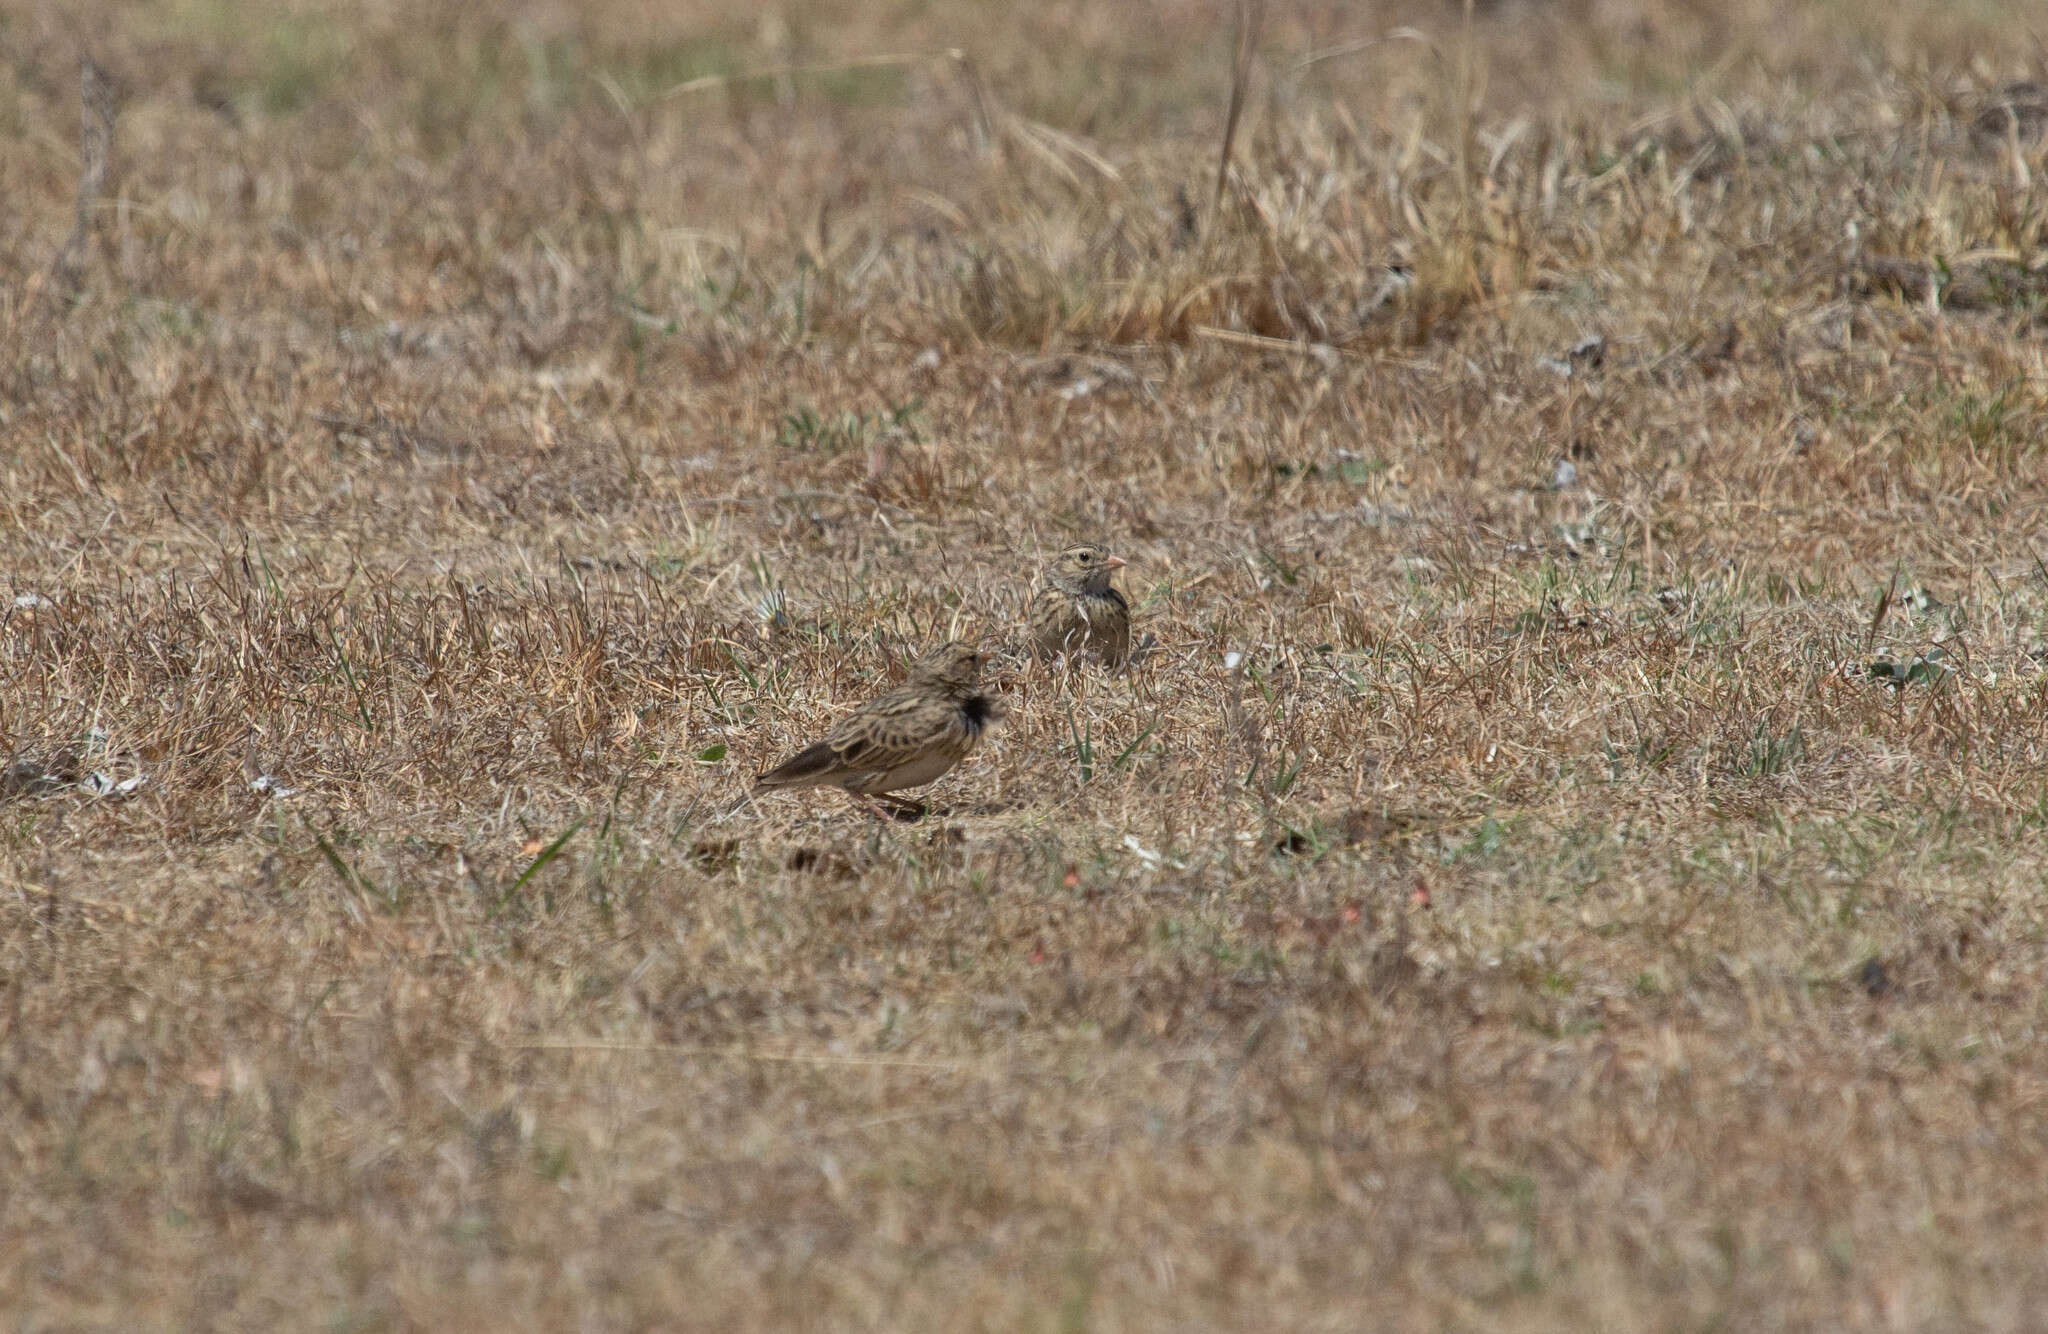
1076	615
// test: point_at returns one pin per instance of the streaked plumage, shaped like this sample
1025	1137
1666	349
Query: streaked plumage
1076	613
904	739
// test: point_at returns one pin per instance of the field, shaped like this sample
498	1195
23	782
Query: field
1571	857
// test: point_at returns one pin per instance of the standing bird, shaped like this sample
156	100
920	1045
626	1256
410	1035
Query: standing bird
1077	612
906	738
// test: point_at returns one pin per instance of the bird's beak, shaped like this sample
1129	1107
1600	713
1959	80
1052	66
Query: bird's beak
1117	562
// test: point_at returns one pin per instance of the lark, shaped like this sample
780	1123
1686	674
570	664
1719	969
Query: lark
905	739
1077	614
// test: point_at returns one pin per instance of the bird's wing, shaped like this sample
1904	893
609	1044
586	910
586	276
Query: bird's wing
1052	618
901	726
895	729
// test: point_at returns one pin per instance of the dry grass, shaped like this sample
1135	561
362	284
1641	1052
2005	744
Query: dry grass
1556	922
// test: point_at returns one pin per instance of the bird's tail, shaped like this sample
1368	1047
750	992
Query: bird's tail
802	769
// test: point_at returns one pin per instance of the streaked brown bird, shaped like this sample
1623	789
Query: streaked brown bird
904	739
1077	614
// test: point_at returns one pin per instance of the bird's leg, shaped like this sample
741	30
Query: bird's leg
883	807
915	810
868	804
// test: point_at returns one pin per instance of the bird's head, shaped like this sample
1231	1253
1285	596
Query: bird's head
957	665
1085	565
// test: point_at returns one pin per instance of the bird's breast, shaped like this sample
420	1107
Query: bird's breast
976	712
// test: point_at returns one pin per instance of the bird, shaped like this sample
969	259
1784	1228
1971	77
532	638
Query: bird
1075	611
904	739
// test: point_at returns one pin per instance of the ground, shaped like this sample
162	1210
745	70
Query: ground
1570	857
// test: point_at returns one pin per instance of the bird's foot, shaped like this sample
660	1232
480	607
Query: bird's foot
894	810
